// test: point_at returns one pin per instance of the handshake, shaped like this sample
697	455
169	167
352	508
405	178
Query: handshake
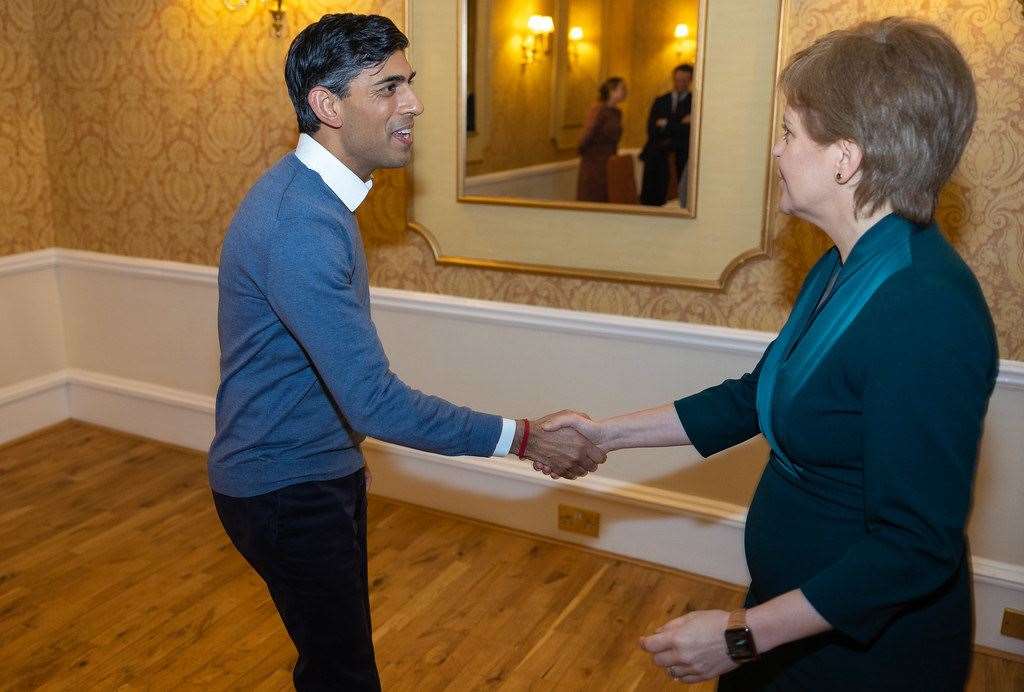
567	444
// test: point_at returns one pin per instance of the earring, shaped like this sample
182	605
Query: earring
839	178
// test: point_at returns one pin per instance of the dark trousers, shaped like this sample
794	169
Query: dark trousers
655	182
308	542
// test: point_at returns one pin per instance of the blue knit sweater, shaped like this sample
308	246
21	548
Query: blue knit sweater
303	374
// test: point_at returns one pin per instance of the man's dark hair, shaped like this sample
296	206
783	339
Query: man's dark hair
331	52
685	67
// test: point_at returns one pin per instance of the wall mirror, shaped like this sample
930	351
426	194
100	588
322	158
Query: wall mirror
595	104
510	89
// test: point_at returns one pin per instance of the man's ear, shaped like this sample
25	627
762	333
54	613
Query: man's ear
326	106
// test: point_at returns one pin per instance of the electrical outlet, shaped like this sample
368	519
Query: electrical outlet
576	520
1013	623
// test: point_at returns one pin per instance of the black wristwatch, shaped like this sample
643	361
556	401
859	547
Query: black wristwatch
738	639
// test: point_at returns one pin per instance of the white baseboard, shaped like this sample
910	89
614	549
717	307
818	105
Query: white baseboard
704	537
31	405
160	413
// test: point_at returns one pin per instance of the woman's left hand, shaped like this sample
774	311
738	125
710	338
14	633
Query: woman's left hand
692	647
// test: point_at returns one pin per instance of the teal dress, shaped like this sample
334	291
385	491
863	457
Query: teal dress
872	399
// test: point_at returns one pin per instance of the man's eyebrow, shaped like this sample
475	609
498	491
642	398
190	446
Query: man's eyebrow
396	78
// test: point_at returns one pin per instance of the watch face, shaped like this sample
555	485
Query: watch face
740	644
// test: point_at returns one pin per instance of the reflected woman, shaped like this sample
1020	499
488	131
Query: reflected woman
872	397
600	141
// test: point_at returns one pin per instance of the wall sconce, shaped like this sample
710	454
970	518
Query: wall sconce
575	36
276	13
684	44
540	28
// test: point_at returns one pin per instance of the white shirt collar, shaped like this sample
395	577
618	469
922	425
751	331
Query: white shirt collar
348	186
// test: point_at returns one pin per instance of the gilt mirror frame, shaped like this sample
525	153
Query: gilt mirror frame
739	58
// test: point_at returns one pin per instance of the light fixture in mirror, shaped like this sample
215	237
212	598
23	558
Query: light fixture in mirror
737	49
612	122
537	39
575	36
686	47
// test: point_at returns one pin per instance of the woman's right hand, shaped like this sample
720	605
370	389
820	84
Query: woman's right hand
590	429
653	427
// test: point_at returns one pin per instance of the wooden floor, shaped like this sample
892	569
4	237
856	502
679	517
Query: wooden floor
115	574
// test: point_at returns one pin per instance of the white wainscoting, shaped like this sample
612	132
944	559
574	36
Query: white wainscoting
141	355
555	180
33	393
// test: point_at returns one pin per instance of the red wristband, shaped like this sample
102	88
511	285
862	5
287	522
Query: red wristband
526	436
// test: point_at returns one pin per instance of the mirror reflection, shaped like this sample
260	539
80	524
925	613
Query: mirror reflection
581	103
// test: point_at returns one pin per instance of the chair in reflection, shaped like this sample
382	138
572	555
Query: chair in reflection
672	191
621	180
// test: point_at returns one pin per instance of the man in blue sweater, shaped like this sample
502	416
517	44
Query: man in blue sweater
303	374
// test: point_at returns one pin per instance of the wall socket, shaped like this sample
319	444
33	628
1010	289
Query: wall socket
576	520
1013	623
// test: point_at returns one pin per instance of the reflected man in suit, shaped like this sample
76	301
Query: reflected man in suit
668	131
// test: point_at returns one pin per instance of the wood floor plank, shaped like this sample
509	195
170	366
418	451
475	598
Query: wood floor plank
116	575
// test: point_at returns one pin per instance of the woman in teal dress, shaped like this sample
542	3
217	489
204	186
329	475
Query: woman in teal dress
872	397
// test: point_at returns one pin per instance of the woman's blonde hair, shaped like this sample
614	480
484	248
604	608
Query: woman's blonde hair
900	89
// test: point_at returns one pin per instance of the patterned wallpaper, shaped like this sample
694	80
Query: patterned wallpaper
27	221
169	109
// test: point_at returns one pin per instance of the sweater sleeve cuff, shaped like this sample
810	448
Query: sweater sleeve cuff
484	435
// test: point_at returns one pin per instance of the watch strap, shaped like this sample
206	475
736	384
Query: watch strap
737	619
739	640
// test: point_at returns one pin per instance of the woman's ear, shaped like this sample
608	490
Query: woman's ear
851	157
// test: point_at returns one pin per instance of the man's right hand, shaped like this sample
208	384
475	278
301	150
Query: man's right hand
563	453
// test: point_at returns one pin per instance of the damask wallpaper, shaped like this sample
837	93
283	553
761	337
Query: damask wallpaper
168	110
160	113
26	222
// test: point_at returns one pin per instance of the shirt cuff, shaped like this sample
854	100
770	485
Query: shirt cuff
508	431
